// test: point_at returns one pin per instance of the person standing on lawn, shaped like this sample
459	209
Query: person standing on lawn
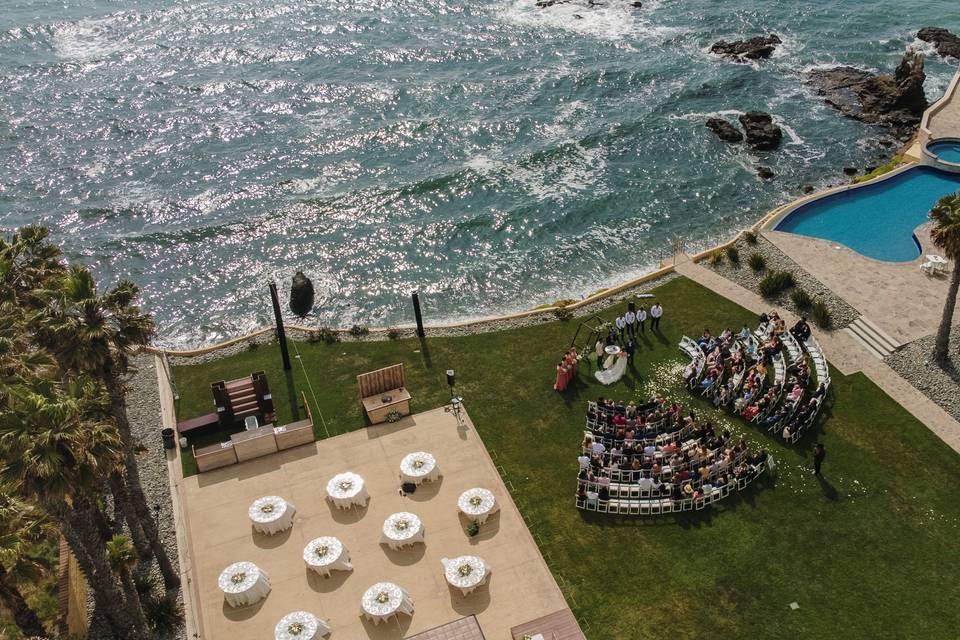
656	312
819	453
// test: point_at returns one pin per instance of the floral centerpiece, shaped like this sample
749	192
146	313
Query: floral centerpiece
383	597
295	628
464	570
401	525
238	577
476	501
345	485
321	550
417	464
267	508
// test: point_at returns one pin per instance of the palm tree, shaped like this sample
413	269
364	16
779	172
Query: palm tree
122	558
21	526
28	261
56	459
946	236
95	335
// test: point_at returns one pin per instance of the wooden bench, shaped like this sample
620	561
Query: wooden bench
382	392
210	420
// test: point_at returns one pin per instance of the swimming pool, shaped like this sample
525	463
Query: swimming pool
946	150
878	219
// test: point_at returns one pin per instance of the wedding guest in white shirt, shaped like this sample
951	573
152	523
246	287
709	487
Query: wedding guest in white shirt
642	317
656	312
621	325
631	319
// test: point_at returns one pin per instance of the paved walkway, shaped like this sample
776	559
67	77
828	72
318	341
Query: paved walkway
843	352
946	121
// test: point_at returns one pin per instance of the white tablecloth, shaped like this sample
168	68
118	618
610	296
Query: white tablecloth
271	514
486	504
427	469
311	627
346	490
401	529
334	558
465	573
395	600
244	583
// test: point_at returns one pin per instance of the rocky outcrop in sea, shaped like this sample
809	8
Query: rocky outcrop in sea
947	44
760	131
749	49
896	100
724	130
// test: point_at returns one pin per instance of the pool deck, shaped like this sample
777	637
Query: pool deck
896	296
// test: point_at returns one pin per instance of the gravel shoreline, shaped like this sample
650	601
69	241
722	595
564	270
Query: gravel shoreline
913	361
143	409
841	313
478	327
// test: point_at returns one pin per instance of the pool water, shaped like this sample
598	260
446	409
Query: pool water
948	150
876	220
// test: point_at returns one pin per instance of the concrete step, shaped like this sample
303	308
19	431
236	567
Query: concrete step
880	333
871	338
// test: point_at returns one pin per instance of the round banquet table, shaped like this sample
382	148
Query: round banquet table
346	490
477	504
465	573
384	600
243	583
401	530
271	514
300	625
419	466
326	554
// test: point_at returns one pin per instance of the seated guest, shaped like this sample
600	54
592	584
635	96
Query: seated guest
801	330
705	339
786	432
744	333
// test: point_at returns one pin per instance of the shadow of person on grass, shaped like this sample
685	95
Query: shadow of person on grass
829	491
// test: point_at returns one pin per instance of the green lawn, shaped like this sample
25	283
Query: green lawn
869	552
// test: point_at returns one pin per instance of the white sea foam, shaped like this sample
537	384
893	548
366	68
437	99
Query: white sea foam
614	20
87	39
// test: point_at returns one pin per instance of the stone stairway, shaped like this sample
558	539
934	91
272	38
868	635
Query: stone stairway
871	337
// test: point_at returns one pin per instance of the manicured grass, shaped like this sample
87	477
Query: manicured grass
871	551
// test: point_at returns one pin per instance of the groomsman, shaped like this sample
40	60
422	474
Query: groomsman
656	312
642	317
621	326
631	319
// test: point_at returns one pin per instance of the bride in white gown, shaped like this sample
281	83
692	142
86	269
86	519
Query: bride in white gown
614	373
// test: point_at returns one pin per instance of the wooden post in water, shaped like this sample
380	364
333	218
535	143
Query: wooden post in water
281	334
417	313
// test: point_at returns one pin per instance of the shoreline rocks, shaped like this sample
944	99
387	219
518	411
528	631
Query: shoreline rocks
896	100
760	131
946	43
757	48
724	130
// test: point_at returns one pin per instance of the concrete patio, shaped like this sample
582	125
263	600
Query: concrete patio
219	533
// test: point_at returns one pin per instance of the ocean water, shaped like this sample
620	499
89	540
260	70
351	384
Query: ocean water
490	154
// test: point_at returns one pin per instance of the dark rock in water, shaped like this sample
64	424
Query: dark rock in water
807	188
761	133
885	142
869	168
946	43
724	130
301	295
542	4
850	171
578	16
636	5
750	49
765	173
894	100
